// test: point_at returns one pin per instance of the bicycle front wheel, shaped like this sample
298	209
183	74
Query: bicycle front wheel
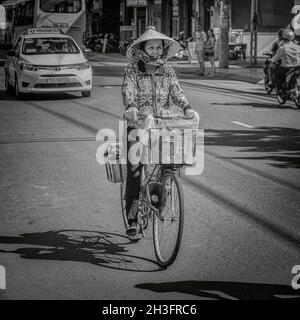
167	229
123	203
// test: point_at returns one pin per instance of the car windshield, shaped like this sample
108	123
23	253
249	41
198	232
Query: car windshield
34	46
61	6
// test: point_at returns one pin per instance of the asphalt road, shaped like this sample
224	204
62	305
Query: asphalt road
61	230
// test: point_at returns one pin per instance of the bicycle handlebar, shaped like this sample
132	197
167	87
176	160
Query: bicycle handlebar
173	117
133	114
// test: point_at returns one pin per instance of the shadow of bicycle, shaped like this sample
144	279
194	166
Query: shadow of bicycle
222	290
109	250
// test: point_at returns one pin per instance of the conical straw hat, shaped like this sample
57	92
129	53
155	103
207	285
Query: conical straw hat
152	34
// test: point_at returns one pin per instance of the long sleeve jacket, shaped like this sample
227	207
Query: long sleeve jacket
150	92
289	54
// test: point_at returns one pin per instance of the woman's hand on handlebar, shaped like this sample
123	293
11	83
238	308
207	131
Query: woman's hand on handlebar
131	114
190	113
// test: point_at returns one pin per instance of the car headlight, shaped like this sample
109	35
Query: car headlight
82	66
28	67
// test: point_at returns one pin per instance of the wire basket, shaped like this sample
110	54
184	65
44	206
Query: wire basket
172	141
174	147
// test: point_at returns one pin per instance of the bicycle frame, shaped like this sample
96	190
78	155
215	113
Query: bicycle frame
145	208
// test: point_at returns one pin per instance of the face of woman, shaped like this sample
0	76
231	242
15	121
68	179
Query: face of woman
154	48
209	33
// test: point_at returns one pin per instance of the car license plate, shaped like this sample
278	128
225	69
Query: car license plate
58	80
51	80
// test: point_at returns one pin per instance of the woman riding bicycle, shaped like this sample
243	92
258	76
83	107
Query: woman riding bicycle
148	83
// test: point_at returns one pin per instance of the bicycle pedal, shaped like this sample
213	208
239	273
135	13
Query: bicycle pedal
135	237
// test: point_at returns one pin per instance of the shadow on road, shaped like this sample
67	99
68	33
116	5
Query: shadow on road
279	145
225	290
191	73
99	248
255	105
4	96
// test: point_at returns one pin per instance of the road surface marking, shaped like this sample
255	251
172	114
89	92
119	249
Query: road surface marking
38	187
243	124
262	81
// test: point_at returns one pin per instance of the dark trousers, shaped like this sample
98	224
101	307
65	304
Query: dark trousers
280	76
270	69
132	183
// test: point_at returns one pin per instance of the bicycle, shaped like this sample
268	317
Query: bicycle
168	217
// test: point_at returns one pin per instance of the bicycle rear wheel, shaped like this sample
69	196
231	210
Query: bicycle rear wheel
167	229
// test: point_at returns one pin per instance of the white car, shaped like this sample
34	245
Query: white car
45	60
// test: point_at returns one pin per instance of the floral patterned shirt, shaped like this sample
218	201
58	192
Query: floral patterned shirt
150	92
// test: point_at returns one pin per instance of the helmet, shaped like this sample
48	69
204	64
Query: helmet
288	34
280	32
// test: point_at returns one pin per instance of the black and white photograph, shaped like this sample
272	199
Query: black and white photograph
149	153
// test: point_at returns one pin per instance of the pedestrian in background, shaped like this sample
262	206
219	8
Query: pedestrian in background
210	51
201	39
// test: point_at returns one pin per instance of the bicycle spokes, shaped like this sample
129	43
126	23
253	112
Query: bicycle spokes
167	226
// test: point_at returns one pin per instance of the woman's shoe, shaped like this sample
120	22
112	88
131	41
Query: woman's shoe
270	87
133	232
132	229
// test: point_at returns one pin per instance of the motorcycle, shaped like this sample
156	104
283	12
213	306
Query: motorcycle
95	43
291	88
112	42
237	51
184	52
124	45
269	55
99	45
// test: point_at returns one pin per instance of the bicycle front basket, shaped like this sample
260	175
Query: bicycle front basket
177	146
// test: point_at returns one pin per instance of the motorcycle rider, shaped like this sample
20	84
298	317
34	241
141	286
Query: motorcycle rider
289	54
271	66
278	42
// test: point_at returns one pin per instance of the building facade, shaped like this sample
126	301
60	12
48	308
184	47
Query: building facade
129	18
168	16
103	16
